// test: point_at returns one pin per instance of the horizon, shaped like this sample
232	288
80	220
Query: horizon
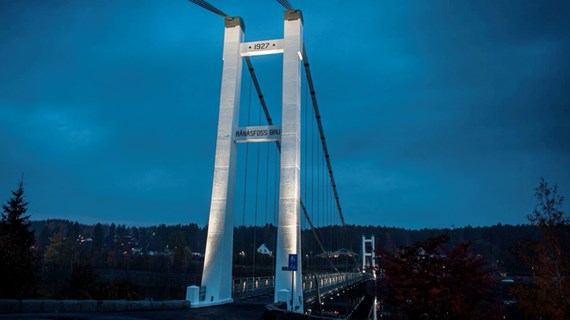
260	226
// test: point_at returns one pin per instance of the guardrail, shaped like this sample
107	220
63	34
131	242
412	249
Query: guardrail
247	286
326	282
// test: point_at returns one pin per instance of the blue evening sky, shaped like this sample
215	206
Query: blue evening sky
437	113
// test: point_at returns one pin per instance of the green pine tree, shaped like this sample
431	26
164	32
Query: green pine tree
18	260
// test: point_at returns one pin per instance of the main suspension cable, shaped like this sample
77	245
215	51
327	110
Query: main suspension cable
323	142
321	132
210	8
285	4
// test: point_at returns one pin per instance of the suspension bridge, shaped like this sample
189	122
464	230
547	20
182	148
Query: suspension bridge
282	176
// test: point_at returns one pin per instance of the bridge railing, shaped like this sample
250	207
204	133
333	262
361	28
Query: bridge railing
326	282
251	285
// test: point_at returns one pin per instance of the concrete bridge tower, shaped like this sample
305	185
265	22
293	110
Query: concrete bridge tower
216	287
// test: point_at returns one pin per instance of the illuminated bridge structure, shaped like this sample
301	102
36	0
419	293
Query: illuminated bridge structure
290	284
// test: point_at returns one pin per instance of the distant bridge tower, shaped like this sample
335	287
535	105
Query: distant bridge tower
216	287
368	258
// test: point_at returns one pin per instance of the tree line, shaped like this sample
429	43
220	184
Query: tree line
66	259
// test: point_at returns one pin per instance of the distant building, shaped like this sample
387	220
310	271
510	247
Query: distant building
264	250
83	240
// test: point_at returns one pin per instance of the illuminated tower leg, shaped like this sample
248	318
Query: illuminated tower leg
289	230
217	275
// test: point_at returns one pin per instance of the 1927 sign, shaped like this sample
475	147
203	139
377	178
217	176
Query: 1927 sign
261	48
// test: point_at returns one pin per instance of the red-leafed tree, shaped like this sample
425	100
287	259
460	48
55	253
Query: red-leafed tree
430	281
